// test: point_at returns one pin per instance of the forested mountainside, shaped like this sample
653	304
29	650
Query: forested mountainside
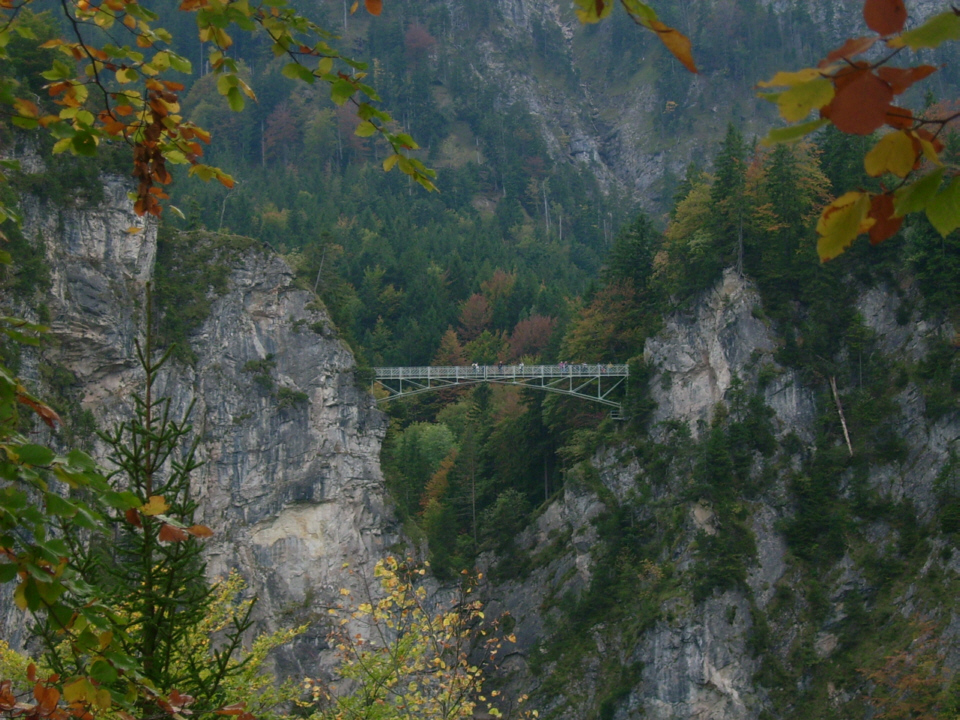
769	533
722	553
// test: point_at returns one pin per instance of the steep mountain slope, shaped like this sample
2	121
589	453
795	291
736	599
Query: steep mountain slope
738	561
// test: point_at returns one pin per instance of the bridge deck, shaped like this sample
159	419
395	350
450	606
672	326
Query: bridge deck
493	372
589	381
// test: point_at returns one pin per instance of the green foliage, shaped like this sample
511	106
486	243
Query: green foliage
940	373
287	398
28	274
262	372
414	658
412	457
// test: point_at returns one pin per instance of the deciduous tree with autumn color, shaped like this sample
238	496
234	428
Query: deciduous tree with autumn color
859	96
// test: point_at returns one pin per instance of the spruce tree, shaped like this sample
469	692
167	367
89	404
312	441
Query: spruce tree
728	199
152	574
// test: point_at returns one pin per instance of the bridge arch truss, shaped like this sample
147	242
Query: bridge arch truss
592	382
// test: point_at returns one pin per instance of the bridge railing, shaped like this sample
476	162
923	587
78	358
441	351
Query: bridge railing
468	372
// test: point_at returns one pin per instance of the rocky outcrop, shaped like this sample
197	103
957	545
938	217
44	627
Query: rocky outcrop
290	480
706	347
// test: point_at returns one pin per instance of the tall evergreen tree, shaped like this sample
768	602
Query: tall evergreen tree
728	198
631	258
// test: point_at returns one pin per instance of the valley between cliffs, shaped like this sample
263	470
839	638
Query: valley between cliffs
647	587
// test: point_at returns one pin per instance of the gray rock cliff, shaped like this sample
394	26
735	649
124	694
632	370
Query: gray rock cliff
292	489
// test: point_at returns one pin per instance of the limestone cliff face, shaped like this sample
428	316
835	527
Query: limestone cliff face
292	487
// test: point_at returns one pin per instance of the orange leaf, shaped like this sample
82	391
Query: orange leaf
852	47
374	7
886	17
171	533
200	531
881	210
26	108
46	413
901	79
677	43
860	105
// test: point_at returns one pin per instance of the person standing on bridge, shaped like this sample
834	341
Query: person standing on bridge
500	367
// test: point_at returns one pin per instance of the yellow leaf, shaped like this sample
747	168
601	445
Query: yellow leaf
325	65
797	102
591	11
893	153
782	79
77	691
156	506
840	223
125	75
929	151
390	162
20	595
133	230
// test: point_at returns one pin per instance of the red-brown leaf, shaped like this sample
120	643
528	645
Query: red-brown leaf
200	531
899	118
851	48
900	79
374	7
235	709
861	105
171	533
886	225
133	517
886	17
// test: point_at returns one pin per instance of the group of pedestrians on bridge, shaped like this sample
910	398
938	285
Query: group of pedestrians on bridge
563	366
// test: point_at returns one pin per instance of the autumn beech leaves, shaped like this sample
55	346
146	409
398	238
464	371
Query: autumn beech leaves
858	97
115	90
170	529
592	11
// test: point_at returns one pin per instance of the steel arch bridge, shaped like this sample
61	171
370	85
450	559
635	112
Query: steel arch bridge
593	382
